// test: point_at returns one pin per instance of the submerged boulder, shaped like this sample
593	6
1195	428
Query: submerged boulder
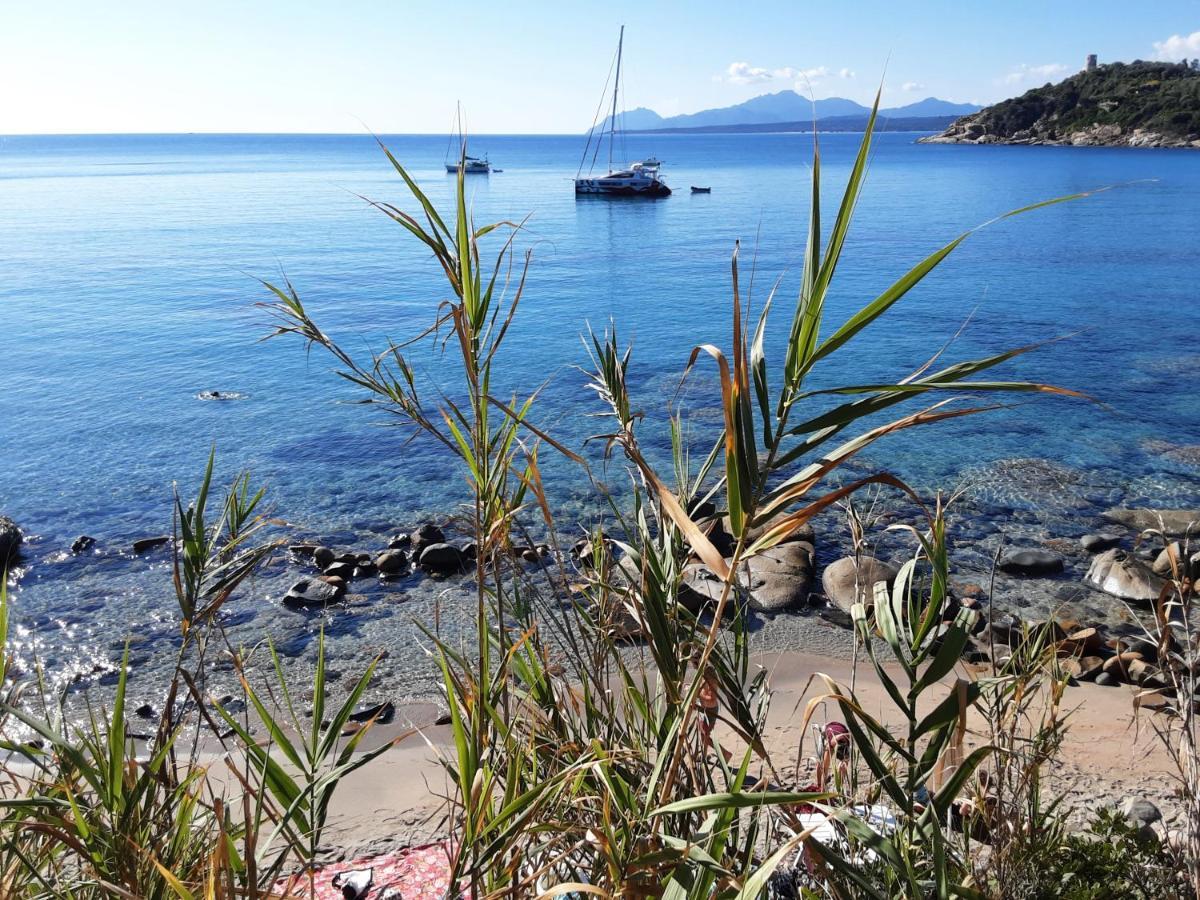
389	562
1031	562
10	540
443	558
1098	543
1172	522
144	544
425	536
1122	575
313	591
849	581
82	544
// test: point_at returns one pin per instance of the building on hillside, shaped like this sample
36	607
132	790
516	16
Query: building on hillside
1090	66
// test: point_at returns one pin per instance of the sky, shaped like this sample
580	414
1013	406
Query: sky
528	66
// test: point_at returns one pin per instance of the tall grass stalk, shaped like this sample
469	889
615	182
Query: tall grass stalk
577	768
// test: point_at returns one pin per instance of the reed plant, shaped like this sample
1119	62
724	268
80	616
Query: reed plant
583	767
608	726
1174	690
200	807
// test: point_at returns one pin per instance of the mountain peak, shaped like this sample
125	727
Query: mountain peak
781	106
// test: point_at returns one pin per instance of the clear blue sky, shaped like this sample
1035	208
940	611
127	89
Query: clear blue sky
528	65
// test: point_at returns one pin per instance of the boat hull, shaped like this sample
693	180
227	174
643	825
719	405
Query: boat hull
469	170
602	187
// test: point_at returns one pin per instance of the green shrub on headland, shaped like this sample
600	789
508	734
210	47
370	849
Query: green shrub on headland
1108	104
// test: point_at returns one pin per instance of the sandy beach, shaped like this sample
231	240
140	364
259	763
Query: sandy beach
1107	755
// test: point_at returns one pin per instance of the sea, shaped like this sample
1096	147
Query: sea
131	272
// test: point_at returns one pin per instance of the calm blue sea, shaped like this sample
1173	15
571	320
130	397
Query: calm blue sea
128	270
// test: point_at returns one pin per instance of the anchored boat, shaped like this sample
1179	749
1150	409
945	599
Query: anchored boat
470	165
640	179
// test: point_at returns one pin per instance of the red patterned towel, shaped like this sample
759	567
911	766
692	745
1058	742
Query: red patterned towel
418	873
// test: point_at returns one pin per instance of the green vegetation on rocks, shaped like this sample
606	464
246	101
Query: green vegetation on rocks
1138	104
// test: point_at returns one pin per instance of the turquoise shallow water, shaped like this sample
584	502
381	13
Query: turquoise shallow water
127	284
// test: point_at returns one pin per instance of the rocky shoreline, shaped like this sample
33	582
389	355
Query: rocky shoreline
970	130
809	589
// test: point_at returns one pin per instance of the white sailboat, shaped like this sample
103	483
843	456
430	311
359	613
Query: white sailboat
640	179
470	165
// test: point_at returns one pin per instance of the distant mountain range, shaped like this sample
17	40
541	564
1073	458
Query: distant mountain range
784	108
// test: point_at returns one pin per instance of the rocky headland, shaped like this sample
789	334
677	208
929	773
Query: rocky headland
1139	104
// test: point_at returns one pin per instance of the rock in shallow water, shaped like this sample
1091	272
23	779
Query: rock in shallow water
443	558
390	562
340	569
1098	543
1031	562
1118	573
10	540
141	546
312	591
83	543
425	536
1187	566
1173	522
847	582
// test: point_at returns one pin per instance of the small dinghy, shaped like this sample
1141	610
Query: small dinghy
701	190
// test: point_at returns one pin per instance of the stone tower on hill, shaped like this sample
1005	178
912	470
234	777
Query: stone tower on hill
1090	66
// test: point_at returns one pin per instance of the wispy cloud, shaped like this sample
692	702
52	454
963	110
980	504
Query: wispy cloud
1026	74
1178	46
910	86
744	73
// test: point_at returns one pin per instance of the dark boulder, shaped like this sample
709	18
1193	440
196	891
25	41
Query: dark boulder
1098	543
382	713
389	562
399	541
443	558
323	557
425	536
1172	522
150	543
312	591
340	569
10	540
1031	562
82	544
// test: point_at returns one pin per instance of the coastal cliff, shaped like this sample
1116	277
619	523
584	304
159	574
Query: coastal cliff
1139	104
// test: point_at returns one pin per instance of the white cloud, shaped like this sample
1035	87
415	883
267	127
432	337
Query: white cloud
1178	47
744	73
910	86
1034	74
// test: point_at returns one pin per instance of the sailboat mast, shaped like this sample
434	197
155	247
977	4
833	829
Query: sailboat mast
612	122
